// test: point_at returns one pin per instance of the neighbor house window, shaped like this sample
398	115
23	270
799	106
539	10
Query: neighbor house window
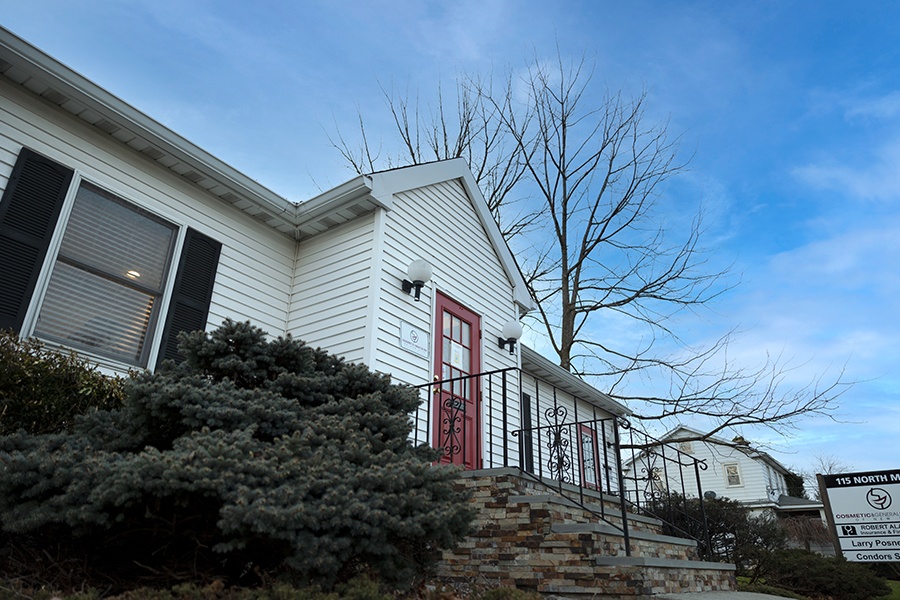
108	278
732	475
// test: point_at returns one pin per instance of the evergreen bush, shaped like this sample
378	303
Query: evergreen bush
250	458
820	576
43	389
735	535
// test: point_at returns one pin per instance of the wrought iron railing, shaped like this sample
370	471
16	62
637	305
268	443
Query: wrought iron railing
663	481
565	442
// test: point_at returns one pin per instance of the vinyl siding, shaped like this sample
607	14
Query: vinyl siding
552	407
254	275
330	293
438	223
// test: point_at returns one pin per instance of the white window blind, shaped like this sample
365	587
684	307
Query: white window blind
108	278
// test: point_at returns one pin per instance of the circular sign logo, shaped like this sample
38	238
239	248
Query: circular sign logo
878	498
414	336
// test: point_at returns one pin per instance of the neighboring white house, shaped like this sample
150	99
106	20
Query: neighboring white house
116	233
734	470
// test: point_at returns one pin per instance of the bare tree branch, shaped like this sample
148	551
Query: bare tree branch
590	176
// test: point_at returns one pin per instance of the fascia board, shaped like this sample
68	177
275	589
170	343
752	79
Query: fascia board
535	364
335	198
521	295
43	67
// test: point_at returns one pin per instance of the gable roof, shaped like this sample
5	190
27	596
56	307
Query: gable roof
751	452
57	84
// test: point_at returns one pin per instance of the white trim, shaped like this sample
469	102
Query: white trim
43	280
166	299
374	304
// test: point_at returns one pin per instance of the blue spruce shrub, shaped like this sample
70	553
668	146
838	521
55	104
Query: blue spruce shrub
252	457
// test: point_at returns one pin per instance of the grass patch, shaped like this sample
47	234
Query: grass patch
761	587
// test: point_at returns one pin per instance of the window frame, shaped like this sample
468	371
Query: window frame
153	334
737	470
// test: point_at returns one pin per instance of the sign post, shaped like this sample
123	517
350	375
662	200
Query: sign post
863	512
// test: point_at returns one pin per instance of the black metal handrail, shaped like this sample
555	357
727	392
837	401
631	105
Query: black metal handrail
663	481
563	441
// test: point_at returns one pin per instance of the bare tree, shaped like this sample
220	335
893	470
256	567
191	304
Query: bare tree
824	464
590	174
474	131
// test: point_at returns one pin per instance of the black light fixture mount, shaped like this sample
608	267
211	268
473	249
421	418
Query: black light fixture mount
419	273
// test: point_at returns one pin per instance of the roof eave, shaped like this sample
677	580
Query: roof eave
35	69
534	363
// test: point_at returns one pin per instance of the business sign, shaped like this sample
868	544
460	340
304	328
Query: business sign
414	339
864	514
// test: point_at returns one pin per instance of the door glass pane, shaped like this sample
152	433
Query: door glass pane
446	324
587	453
466	335
455	334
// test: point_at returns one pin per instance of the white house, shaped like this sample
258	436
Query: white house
116	233
733	470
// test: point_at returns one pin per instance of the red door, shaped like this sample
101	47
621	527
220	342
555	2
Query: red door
457	352
587	453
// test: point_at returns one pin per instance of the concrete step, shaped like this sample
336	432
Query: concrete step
614	516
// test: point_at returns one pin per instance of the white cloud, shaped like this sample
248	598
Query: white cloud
886	106
875	177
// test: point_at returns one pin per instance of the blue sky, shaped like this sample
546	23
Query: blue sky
789	110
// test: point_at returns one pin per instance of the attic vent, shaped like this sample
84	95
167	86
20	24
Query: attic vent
327	222
153	153
53	96
230	197
4	65
193	176
358	209
686	447
106	126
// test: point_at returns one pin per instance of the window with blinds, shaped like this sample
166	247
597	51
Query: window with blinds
104	291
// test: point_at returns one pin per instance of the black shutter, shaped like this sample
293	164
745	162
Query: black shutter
194	281
29	211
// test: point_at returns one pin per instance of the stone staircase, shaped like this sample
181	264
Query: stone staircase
531	536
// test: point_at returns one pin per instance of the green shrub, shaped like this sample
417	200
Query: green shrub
506	593
251	458
42	389
735	535
820	576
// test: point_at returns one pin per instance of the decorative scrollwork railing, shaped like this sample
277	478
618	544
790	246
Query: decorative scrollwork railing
589	456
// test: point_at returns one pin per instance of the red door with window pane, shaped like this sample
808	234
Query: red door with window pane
587	453
457	352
